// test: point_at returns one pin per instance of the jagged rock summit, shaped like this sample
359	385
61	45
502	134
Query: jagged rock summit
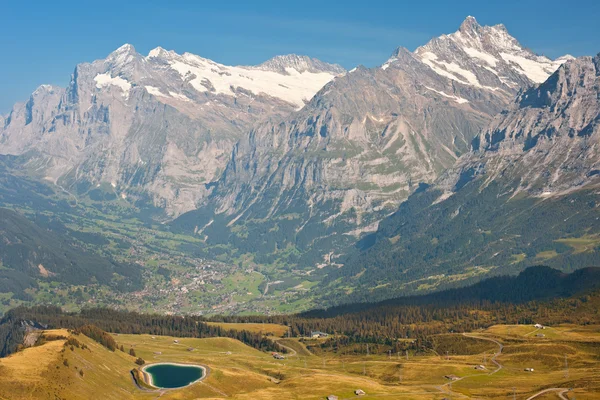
546	143
486	57
156	127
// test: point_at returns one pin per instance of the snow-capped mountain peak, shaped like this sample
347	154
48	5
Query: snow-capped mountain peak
127	48
300	64
489	38
186	80
291	78
486	57
565	58
122	55
469	24
160	52
172	118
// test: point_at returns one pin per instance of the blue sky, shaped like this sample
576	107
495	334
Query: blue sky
42	41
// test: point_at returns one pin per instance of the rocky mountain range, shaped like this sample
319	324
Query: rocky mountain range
321	177
157	127
413	175
526	194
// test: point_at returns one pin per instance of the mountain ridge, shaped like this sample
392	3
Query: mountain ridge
157	127
29	253
358	149
411	176
536	161
536	283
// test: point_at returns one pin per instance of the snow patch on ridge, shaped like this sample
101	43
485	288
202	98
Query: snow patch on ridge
474	53
154	90
103	80
208	76
389	62
459	100
450	70
539	70
179	96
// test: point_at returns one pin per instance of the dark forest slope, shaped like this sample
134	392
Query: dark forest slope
29	253
533	284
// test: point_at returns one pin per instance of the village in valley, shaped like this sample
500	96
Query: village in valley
198	287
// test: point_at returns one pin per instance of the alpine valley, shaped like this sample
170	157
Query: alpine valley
203	188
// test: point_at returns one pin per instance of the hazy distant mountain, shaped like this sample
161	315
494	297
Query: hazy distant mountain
302	185
526	194
160	126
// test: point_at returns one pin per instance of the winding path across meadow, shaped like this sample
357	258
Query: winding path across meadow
493	359
292	351
561	393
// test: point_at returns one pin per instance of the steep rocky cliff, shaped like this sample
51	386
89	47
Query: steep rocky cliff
527	194
159	126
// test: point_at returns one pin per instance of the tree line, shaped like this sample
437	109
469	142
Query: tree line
538	295
12	326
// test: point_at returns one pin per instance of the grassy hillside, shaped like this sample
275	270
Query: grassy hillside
262	328
537	293
405	351
240	372
534	283
41	372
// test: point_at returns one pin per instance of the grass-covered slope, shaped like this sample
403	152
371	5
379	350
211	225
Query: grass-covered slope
393	350
534	284
52	370
479	231
56	369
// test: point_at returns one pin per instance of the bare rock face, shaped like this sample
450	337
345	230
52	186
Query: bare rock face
546	144
161	125
370	137
486	57
522	196
292	153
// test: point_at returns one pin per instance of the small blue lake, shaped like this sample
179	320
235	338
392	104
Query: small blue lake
169	376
